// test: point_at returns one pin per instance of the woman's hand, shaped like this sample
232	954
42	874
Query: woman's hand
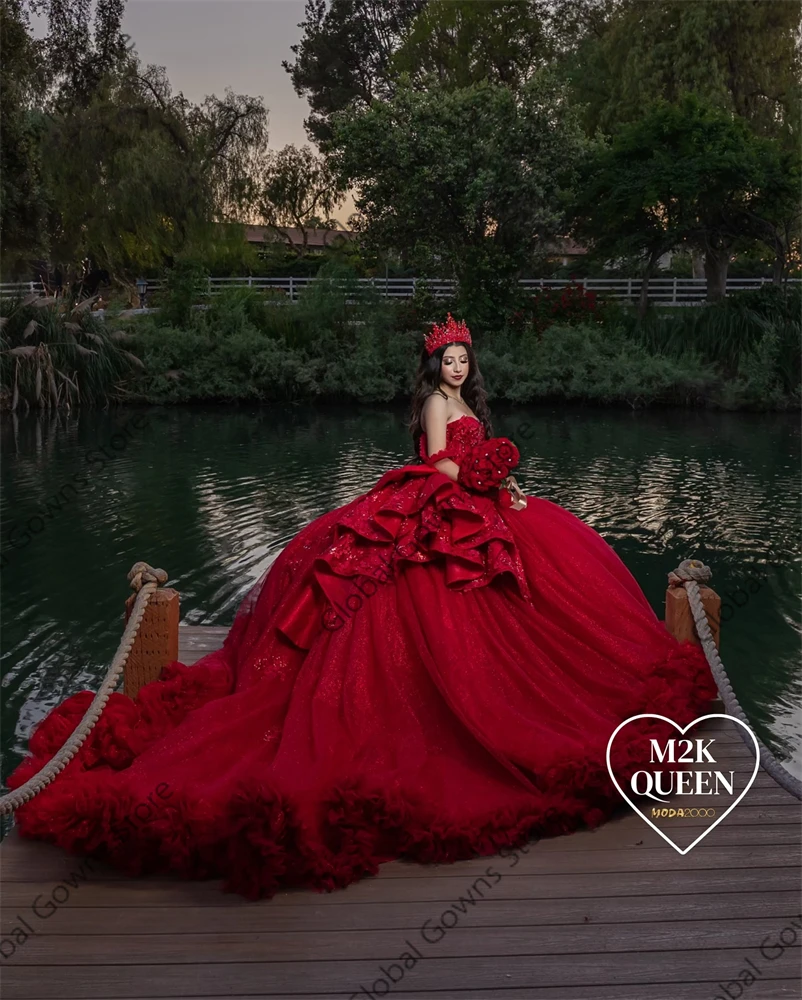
516	493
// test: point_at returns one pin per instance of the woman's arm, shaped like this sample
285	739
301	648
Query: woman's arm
435	414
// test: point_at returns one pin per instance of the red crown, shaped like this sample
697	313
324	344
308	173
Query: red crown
451	332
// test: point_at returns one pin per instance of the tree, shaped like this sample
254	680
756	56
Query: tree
298	189
345	55
23	198
83	45
104	161
464	182
140	174
683	173
742	57
460	42
773	213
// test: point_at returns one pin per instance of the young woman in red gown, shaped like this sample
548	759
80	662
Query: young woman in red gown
426	672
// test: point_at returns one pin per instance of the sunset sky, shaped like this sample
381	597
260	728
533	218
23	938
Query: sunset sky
208	45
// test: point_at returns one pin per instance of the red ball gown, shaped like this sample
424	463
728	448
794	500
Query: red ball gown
421	673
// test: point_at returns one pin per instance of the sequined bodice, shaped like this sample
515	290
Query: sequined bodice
461	434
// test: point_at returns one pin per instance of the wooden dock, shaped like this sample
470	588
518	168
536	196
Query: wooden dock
610	914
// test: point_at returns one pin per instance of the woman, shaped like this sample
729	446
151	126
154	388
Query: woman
431	671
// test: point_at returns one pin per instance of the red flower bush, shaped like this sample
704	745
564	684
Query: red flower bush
568	305
485	465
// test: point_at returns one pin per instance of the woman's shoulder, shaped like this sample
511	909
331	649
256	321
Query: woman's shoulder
435	406
437	400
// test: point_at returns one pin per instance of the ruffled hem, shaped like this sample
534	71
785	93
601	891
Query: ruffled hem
262	838
413	514
126	726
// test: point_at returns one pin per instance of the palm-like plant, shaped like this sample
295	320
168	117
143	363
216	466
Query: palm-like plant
57	354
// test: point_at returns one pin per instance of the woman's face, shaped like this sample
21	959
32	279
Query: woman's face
454	366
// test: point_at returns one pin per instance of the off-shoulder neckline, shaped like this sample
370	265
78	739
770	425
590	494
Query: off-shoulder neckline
465	416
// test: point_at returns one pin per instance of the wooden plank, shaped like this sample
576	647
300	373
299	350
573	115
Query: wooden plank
22	860
172	948
203	633
347	915
770	795
194	641
764	780
268	979
629	859
538	862
776	989
428	887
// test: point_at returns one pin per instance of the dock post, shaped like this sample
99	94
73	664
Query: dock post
679	617
156	642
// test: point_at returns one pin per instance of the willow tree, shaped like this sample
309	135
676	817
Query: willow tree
139	175
298	189
83	43
23	198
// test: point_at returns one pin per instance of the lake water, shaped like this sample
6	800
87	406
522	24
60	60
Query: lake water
213	494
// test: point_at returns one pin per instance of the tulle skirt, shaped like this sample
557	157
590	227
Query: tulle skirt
386	715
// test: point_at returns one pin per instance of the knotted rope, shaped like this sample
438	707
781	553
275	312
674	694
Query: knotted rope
145	580
689	574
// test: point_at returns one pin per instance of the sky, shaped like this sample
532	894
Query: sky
209	45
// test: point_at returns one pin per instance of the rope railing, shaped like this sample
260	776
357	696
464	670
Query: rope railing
689	575
145	580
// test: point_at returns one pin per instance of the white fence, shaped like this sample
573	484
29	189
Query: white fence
664	291
667	291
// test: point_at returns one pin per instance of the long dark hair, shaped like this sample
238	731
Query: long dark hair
427	381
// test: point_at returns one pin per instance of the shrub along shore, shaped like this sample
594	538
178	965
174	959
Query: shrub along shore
344	342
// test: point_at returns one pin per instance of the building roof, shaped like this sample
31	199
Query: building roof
315	238
566	245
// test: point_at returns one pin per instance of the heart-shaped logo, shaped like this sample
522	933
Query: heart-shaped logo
702	755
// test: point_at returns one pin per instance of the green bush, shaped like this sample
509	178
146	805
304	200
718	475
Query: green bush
729	334
344	341
183	285
340	341
594	364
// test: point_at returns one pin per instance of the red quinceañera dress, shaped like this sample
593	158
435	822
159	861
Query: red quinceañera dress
421	673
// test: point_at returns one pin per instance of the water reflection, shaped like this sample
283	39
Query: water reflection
215	494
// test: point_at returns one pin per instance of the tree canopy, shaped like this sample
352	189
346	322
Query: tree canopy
460	42
685	174
108	163
460	124
741	57
464	181
344	57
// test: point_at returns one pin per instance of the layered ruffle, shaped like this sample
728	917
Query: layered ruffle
414	514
